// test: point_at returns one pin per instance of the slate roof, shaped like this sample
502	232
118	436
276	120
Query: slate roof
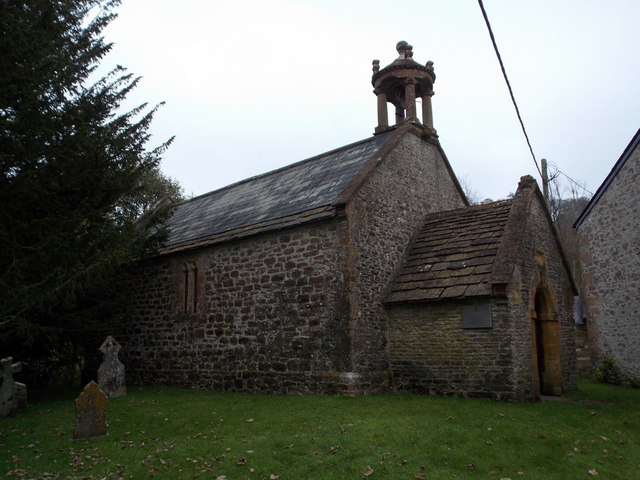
628	152
294	194
454	255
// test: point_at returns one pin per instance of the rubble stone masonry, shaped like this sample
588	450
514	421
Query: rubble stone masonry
386	213
431	352
271	315
540	266
292	311
610	254
300	309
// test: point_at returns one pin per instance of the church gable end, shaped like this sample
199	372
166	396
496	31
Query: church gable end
464	310
383	216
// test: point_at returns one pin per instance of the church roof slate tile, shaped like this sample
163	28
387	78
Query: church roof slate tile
453	254
298	193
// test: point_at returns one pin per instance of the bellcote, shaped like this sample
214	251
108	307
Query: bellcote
401	83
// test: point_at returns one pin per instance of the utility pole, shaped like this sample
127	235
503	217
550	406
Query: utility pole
545	181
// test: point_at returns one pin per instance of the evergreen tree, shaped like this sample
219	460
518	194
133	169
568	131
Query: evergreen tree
71	167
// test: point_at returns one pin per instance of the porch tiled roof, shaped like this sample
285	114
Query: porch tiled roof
453	255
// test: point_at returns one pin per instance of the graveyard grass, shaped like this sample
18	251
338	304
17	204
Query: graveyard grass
168	433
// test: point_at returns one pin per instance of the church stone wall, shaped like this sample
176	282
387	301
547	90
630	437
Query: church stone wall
271	315
386	213
431	352
609	249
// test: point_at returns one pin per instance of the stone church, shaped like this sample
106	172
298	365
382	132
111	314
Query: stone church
360	270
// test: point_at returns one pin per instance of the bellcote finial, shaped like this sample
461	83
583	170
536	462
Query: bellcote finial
404	50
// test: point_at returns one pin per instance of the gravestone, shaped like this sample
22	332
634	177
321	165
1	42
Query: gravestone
111	371
13	395
91	415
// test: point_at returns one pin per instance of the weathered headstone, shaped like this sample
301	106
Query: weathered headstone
111	371
13	395
91	412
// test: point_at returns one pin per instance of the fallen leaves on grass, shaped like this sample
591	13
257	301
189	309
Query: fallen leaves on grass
241	461
367	472
18	473
593	472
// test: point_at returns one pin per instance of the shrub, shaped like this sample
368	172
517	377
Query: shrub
608	372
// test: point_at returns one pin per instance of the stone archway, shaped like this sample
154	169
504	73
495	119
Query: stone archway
545	335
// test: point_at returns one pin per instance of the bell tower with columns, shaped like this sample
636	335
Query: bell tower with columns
401	83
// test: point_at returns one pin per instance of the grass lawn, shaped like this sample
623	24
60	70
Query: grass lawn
167	433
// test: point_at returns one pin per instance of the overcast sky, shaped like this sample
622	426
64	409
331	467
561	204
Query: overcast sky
253	85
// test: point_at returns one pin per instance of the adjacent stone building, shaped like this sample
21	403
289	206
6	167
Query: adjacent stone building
307	279
609	231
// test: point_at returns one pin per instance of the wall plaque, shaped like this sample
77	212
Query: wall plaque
476	316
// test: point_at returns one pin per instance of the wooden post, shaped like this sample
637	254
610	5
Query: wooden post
545	181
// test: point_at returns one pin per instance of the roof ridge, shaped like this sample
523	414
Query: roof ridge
622	160
514	226
509	246
278	170
435	216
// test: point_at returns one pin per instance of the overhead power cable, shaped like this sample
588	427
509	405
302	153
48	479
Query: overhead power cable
506	79
575	183
557	172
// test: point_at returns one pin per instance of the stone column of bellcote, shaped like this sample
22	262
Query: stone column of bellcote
401	83
410	99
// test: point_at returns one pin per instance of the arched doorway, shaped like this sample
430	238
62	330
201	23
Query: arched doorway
545	333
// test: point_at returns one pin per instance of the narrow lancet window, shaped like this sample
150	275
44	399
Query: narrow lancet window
190	304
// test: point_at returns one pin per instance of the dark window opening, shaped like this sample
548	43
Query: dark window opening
190	303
